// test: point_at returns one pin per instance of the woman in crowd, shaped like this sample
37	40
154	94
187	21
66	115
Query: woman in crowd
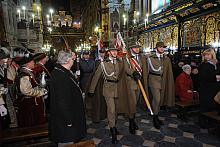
209	77
184	84
67	122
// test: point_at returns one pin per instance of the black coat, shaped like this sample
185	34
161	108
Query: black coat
87	67
209	87
96	105
66	107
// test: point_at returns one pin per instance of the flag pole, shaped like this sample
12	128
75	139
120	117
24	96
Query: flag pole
139	82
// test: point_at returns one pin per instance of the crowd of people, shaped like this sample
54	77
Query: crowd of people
66	90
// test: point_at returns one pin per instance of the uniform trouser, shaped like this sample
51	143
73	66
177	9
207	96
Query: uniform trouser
134	97
156	93
112	111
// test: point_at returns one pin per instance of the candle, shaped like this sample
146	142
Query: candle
24	8
19	14
51	14
38	11
33	18
145	23
147	17
125	19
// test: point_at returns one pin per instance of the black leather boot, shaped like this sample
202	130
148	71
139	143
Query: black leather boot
114	135
117	133
161	123
131	126
156	122
135	125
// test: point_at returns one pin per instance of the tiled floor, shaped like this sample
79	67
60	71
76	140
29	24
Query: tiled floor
175	133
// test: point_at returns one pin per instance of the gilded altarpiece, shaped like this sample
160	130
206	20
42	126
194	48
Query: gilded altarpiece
168	35
192	33
201	31
212	27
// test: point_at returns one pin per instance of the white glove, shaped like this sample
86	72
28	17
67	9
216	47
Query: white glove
45	91
3	110
3	90
78	72
45	96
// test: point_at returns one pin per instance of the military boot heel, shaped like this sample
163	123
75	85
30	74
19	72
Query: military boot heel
114	135
135	126
131	126
156	122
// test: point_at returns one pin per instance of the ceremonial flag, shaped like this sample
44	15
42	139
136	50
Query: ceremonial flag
119	43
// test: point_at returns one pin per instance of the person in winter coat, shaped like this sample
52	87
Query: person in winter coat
209	77
184	84
67	122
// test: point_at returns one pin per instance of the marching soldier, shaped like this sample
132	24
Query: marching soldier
111	69
160	81
135	68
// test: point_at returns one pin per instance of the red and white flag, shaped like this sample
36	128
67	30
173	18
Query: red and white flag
100	46
119	43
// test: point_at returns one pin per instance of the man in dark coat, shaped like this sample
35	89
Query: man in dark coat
87	67
67	122
96	106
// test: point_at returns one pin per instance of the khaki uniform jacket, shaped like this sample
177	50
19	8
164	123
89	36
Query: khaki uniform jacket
110	85
165	82
132	85
156	81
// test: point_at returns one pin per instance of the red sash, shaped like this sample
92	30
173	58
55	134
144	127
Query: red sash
136	65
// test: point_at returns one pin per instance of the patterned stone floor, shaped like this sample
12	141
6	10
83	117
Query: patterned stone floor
174	133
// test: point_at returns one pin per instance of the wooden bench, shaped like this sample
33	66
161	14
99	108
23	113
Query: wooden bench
183	108
24	134
213	115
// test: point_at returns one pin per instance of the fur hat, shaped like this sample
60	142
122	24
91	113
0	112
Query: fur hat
26	59
3	54
39	56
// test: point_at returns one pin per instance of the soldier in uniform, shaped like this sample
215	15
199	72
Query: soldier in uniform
134	70
111	69
87	67
160	81
29	96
